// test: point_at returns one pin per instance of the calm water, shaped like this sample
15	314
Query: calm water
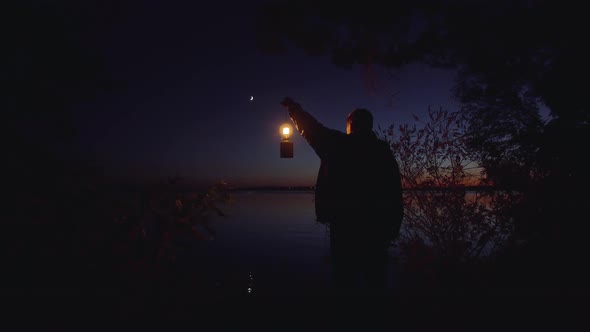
269	243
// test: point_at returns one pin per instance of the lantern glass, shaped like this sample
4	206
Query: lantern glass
286	131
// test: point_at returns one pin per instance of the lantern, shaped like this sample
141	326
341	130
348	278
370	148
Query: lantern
286	145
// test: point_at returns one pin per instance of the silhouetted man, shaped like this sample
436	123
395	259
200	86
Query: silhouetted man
358	194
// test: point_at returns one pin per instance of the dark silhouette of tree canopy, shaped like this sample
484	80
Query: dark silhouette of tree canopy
536	45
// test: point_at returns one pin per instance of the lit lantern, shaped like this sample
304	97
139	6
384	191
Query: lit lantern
286	146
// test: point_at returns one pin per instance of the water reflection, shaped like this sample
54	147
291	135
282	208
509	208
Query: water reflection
270	236
250	283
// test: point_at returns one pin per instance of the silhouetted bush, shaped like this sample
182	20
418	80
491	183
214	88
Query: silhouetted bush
453	220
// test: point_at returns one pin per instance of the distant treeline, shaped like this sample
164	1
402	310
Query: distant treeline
312	188
275	188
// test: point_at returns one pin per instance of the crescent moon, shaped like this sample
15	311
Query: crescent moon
251	98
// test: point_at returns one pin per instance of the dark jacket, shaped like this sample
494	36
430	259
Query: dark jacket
358	179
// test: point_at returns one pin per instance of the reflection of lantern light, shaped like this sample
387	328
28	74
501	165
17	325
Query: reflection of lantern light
286	146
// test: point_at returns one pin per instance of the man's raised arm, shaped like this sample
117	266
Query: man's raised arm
317	135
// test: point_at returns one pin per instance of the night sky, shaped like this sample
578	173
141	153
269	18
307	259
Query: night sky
187	72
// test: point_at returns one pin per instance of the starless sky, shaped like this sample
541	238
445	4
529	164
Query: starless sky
189	71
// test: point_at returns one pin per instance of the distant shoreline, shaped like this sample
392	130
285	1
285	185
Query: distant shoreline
312	188
192	188
275	188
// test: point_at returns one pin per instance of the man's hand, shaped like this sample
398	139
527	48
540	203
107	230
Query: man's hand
291	105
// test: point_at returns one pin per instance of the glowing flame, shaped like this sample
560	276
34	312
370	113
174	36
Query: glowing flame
286	130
